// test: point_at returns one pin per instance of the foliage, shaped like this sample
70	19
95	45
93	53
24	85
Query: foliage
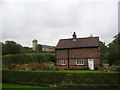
31	66
13	66
17	86
10	47
104	50
26	50
86	68
39	47
61	78
110	53
114	54
42	66
27	58
114	68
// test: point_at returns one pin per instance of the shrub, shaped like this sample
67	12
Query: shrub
61	78
38	66
118	68
27	58
16	67
97	68
32	66
86	68
114	68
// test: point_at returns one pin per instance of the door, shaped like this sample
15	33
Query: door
91	64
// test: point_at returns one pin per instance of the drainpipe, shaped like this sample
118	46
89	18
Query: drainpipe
68	58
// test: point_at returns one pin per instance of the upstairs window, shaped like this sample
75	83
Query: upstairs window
79	61
62	62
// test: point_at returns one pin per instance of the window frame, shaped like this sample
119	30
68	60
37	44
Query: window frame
63	62
81	62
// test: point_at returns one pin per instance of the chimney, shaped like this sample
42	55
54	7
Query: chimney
74	36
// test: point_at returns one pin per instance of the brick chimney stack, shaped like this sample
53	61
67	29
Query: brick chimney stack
74	36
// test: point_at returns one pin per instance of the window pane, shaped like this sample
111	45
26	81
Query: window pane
62	61
80	61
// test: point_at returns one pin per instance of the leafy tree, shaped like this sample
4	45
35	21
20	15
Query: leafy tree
26	50
39	47
104	50
11	47
114	51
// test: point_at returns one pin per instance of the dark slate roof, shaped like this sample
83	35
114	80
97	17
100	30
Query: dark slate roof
47	46
34	40
80	42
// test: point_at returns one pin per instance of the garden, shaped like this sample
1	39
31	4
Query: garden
44	62
38	69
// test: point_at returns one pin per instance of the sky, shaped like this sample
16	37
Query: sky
50	20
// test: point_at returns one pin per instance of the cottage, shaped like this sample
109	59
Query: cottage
78	53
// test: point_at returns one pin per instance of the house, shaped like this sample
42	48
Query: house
77	53
44	48
47	48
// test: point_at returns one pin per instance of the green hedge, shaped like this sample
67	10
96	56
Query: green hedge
63	79
26	58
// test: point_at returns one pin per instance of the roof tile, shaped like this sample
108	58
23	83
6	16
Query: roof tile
80	42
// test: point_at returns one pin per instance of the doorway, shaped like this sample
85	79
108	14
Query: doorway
91	64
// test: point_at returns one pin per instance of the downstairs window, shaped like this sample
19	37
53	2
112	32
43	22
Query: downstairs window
79	61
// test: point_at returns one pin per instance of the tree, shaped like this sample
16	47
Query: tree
11	47
104	50
39	47
114	51
26	50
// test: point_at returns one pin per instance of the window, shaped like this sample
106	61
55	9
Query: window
62	62
79	61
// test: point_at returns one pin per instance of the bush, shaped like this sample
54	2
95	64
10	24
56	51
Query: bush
96	68
16	67
118	68
42	66
50	66
114	68
27	58
65	79
86	68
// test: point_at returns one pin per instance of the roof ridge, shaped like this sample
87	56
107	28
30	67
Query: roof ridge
79	38
80	42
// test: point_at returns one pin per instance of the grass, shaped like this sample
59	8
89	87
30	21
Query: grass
18	86
76	71
79	71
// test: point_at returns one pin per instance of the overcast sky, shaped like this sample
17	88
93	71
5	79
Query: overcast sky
51	20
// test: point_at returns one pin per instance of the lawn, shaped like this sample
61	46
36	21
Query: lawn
79	71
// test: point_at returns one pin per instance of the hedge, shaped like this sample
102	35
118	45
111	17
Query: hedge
62	79
27	58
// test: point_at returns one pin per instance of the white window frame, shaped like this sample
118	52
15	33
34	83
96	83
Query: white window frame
81	62
63	62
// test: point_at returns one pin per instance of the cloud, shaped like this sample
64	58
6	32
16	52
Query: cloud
49	21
